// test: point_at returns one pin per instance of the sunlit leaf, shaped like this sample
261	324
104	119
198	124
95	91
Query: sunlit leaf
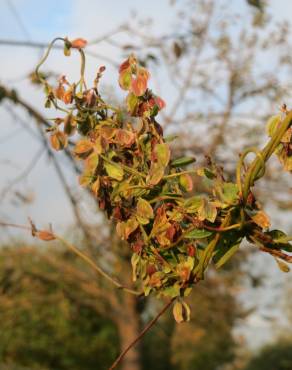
207	211
114	170
144	209
59	140
262	219
282	265
198	234
186	182
124	229
178	312
45	235
125	79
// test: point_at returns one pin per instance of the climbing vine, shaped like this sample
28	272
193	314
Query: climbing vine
173	231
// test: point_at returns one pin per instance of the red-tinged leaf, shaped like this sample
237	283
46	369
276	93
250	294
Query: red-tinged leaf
156	173
128	63
144	209
262	220
125	79
186	182
139	86
125	137
59	92
67	97
160	227
107	132
45	235
83	148
191	250
125	229
59	140
78	43
159	102
171	232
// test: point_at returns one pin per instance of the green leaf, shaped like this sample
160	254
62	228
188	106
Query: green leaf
273	124
132	102
186	182
172	291
229	192
198	234
170	138
67	49
114	170
162	153
155	174
225	257
183	161
193	204
125	79
207	211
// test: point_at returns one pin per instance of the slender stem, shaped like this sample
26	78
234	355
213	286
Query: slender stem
178	174
241	162
164	197
82	71
82	255
278	254
5	224
44	58
143	332
95	267
208	252
221	229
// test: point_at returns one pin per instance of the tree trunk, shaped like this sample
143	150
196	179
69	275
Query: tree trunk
128	327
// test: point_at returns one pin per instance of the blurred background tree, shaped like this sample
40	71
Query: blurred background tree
223	69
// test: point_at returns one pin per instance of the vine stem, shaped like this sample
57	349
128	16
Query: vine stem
95	267
253	172
79	253
143	332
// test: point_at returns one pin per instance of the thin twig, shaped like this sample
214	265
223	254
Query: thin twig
42	45
79	253
143	332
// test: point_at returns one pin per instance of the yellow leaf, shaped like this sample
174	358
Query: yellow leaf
262	220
